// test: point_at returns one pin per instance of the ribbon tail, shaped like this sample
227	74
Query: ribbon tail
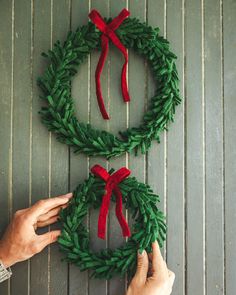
100	65
102	227
120	216
102	219
124	87
117	21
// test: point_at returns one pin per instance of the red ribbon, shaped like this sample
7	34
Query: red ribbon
112	182
108	33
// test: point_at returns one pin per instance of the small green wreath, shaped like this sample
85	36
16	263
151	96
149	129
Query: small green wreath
140	201
59	114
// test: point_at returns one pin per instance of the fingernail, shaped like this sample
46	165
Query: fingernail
140	253
67	196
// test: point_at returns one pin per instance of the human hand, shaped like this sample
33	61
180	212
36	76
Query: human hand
161	280
20	241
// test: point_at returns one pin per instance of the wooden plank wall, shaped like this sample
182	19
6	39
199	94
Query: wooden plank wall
192	168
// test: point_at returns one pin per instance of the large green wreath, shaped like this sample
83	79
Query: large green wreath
59	115
149	226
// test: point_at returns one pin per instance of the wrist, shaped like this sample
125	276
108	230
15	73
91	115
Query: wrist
5	257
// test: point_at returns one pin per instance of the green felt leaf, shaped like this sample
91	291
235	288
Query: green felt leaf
56	85
148	226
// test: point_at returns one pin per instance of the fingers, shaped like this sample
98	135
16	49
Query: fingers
142	268
50	213
158	264
47	239
44	206
48	221
171	277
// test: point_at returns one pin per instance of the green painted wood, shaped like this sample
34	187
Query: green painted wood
78	282
137	70
195	141
138	91
156	158
97	286
229	66
39	271
192	169
118	111
21	149
214	148
6	61
59	169
175	156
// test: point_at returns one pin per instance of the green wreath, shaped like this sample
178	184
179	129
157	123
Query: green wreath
149	226
58	114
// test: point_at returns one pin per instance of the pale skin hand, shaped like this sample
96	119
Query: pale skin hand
159	282
20	241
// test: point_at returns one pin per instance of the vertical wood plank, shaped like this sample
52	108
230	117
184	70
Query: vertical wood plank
156	159
195	150
98	286
39	278
118	121
78	281
6	62
175	156
137	74
214	150
137	88
59	164
229	13
21	127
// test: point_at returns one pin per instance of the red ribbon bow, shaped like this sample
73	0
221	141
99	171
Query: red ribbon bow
108	33
112	182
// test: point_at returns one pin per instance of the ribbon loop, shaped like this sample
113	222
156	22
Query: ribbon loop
108	32
112	182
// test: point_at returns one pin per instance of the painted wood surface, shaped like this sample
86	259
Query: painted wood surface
192	169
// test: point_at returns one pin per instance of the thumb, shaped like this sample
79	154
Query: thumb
142	268
48	238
